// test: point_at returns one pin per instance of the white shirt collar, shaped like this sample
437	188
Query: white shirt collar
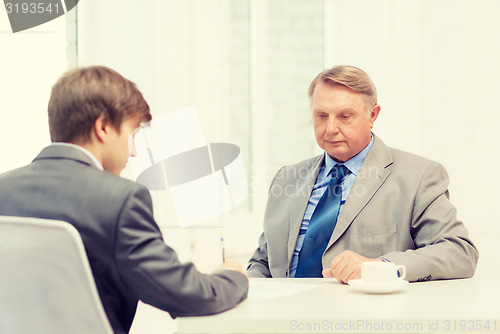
92	157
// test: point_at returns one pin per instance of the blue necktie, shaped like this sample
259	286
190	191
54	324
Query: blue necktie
321	226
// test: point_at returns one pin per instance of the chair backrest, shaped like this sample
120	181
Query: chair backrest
46	284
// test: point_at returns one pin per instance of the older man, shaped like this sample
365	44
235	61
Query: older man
360	200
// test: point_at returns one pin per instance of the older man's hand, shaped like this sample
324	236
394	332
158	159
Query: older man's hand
346	266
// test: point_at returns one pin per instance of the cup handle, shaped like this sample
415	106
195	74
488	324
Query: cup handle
402	271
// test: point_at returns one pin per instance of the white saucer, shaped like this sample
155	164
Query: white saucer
393	286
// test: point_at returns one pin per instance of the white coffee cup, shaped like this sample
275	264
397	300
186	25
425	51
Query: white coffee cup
381	272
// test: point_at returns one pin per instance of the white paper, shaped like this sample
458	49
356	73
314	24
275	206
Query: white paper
266	289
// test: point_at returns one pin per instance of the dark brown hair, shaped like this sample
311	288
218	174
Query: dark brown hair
82	95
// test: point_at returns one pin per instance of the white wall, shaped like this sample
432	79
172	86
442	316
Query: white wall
30	62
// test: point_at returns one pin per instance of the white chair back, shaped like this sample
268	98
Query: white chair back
46	284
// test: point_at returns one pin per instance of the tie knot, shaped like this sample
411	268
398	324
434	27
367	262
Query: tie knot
339	171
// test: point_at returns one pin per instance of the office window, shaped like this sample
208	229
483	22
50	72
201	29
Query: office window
276	49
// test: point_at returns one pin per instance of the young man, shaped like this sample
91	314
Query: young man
93	113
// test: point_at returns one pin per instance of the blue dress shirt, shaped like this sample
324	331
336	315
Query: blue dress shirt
322	181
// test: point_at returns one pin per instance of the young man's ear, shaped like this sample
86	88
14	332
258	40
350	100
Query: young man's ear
101	128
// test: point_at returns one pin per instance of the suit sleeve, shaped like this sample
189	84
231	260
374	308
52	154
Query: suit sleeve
258	265
153	272
443	249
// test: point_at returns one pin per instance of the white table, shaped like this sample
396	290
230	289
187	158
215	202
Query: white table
326	306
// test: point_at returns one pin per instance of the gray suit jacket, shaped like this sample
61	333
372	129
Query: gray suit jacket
398	209
114	216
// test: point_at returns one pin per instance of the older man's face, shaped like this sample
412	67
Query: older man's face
341	124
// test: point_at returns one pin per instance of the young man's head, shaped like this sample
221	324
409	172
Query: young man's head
97	108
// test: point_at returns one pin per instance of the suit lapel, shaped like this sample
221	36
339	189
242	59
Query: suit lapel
370	178
298	203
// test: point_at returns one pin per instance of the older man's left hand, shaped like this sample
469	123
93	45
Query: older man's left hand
346	266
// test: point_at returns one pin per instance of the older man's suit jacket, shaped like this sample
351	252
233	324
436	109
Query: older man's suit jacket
114	216
398	209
